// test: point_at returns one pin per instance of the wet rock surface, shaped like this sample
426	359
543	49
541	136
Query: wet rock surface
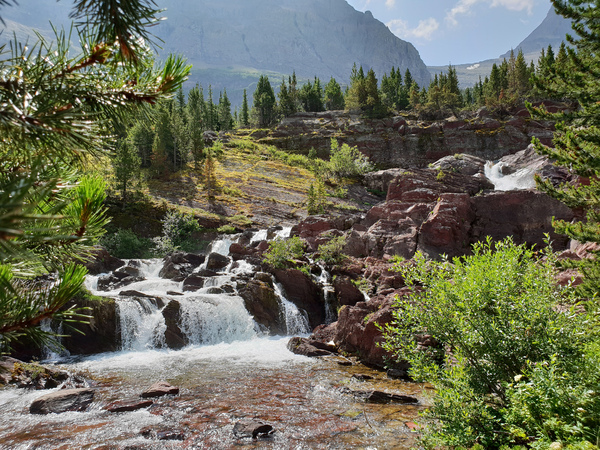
63	401
160	389
128	405
252	428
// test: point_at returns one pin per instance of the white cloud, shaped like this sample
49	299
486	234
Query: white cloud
390	3
423	31
515	5
473	67
463	7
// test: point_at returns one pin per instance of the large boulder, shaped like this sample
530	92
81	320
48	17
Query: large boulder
216	261
101	333
263	303
63	401
524	215
102	262
301	290
358	329
174	337
346	291
462	163
447	229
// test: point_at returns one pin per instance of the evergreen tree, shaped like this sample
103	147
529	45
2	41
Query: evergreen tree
70	107
210	116
311	96
264	103
577	135
141	137
334	97
126	163
245	114
286	107
195	125
224	112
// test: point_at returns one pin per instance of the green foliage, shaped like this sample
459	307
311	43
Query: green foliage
577	136
226	229
316	198
263	108
284	253
347	162
126	244
505	331
333	96
126	164
177	231
332	252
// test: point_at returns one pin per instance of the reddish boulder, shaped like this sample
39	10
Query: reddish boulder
346	291
262	302
524	215
446	231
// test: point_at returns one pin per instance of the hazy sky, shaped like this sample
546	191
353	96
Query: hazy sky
458	31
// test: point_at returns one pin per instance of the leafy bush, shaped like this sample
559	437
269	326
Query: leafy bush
513	366
347	162
283	253
332	252
177	231
126	244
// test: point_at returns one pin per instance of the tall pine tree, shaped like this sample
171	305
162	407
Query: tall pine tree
577	135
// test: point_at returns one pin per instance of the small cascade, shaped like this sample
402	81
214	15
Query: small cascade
209	319
521	179
324	279
296	321
142	324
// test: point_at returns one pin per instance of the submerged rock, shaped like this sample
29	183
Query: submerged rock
128	405
63	401
159	389
252	428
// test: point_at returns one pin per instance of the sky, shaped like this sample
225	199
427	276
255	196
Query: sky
458	31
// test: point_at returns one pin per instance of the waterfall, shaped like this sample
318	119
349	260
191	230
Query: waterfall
521	179
296	321
207	316
141	323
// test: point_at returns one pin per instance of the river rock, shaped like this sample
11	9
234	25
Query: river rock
174	337
216	261
116	279
168	434
252	428
30	375
102	262
193	283
159	389
63	401
307	347
346	291
128	405
263	303
301	290
374	396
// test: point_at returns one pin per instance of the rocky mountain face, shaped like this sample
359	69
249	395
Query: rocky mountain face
551	31
231	43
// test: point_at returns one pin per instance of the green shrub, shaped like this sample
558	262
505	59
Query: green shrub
126	244
226	229
347	162
283	253
332	252
177	232
315	199
519	361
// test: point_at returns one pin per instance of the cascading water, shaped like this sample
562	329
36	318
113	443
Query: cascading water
227	371
520	179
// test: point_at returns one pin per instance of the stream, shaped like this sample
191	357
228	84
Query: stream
230	370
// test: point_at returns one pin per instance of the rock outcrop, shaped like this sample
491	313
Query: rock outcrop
408	143
63	401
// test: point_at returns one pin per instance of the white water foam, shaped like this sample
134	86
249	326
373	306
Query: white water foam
521	179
